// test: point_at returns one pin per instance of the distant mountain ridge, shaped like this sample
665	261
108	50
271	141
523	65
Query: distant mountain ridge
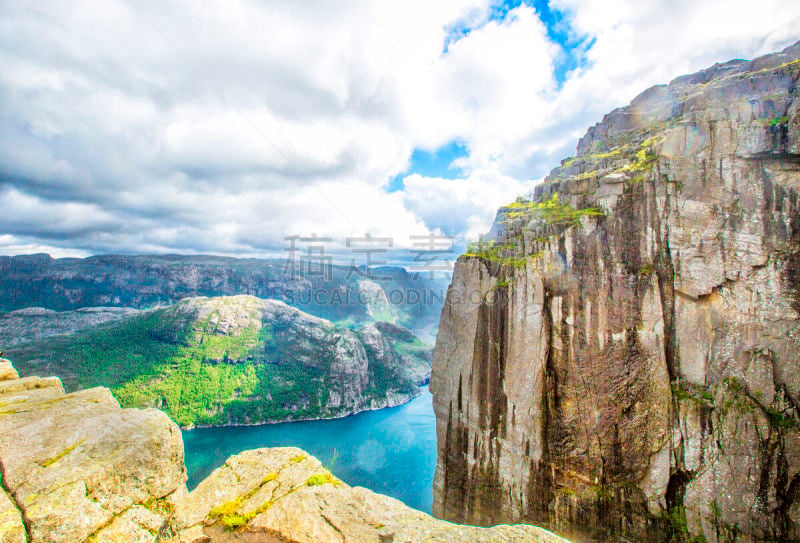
146	281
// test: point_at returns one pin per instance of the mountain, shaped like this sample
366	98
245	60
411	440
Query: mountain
236	360
619	358
117	475
338	293
32	323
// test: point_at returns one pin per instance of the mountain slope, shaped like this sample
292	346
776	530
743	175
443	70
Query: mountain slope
236	360
143	281
32	323
620	358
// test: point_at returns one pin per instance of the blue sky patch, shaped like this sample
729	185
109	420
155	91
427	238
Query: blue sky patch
432	164
559	30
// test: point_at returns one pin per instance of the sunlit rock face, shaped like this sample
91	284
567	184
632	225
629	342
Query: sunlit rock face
77	468
621	359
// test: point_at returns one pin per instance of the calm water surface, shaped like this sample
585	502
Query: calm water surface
391	451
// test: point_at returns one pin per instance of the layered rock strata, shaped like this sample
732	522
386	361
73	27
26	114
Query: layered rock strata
620	359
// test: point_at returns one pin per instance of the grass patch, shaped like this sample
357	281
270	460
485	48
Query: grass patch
52	460
324	478
551	211
646	269
771	121
235	521
594	156
683	390
227	513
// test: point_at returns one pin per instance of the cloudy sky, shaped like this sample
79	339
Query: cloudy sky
224	126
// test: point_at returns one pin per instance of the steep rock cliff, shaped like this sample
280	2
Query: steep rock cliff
621	357
76	468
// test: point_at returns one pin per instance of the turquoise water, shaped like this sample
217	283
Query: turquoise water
391	451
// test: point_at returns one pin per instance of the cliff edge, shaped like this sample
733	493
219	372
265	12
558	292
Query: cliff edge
620	357
78	468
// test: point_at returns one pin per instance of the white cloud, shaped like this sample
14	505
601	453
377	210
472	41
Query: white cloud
225	126
460	207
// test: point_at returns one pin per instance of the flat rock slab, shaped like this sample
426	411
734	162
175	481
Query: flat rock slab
77	465
283	494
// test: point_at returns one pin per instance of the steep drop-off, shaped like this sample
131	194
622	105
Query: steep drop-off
236	360
78	469
620	357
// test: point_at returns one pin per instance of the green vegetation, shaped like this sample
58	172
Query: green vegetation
551	211
231	513
595	156
227	513
324	478
683	390
414	348
779	419
646	269
510	254
638	150
736	400
772	121
506	255
736	397
180	362
645	155
62	454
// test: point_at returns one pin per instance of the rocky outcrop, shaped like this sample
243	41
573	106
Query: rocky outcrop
289	496
621	358
332	292
236	360
77	468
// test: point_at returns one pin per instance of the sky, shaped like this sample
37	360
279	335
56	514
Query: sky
226	127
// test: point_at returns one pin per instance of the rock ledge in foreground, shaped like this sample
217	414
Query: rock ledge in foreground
78	468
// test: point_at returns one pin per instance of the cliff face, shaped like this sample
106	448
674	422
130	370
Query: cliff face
233	360
76	468
621	359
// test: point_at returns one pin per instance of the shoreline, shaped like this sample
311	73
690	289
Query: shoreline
306	419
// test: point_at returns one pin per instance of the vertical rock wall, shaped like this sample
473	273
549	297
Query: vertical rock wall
622	358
